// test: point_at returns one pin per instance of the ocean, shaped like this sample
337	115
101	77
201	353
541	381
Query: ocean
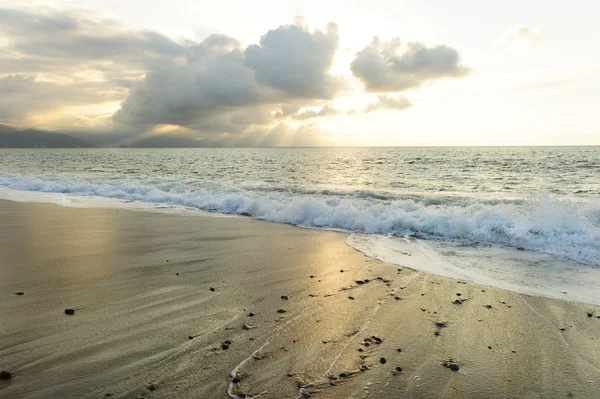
521	218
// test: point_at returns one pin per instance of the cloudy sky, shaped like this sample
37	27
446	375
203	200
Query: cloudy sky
323	72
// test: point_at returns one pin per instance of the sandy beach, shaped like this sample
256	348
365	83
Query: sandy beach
196	306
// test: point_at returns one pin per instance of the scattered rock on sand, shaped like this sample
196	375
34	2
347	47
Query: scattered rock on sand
590	314
399	350
342	271
451	366
190	337
225	345
70	311
311	276
382	360
458	302
5	375
350	297
211	289
399	369
19	293
364	367
285	297
281	311
250	314
488	306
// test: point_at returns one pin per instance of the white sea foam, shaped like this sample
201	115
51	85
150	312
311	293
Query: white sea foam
508	268
559	227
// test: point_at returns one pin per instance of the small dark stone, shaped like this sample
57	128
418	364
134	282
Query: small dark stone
590	315
211	289
228	342
167	260
366	280
250	314
285	297
177	274
281	311
399	369
458	294
452	366
359	282
360	349
70	311
108	395
488	306
399	350
562	329
350	297
19	293
382	360
224	346
343	375
190	337
377	339
342	271
520	248
397	298
5	375
364	367
489	347
311	276
458	302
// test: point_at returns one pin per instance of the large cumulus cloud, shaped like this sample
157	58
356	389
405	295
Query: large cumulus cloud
296	61
216	90
223	88
382	67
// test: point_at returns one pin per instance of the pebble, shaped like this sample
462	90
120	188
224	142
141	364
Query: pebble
488	306
350	297
177	274
342	271
452	366
359	282
19	293
285	297
590	315
281	311
5	375
399	369
458	302
211	289
458	294
399	350
70	311
250	314
382	360
225	345
190	337
311	276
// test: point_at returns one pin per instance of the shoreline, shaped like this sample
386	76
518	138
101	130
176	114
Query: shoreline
140	283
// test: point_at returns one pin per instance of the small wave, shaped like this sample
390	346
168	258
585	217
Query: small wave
539	223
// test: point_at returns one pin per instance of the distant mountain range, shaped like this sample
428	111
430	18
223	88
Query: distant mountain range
11	137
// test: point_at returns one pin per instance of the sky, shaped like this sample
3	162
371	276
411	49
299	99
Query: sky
303	73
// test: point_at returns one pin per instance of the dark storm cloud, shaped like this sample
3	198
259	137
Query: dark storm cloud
382	68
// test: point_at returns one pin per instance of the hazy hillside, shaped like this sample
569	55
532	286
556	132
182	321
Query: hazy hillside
30	138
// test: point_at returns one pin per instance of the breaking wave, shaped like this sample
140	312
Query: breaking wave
568	230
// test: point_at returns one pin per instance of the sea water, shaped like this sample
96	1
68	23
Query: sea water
519	218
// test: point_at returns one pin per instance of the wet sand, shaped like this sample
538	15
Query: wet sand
147	323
